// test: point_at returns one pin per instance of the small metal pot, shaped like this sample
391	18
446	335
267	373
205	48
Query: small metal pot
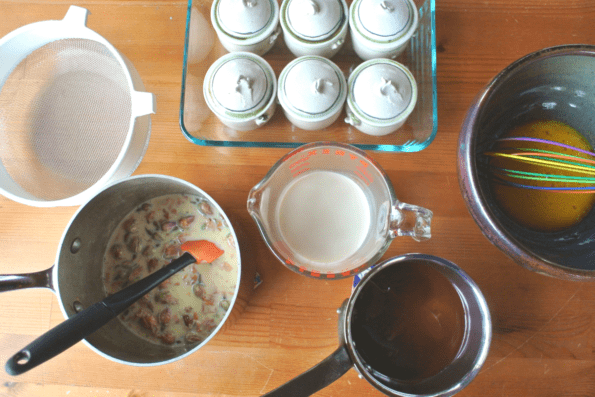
76	275
452	379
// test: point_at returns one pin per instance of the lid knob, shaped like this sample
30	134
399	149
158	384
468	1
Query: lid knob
311	7
244	89
384	18
387	7
320	86
390	91
311	85
239	83
382	89
313	19
244	17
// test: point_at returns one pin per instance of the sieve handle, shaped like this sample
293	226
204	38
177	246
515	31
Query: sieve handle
143	103
76	16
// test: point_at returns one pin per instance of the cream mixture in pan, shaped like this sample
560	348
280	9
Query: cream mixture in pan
188	306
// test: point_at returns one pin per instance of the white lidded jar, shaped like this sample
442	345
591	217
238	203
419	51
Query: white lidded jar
314	27
240	88
382	95
382	28
246	25
312	91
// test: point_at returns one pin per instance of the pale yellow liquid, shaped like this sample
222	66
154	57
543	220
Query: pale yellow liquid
541	210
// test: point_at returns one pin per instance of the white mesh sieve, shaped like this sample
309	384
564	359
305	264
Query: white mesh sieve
65	111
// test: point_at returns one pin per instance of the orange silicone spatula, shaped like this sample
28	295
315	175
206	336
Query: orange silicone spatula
83	324
202	250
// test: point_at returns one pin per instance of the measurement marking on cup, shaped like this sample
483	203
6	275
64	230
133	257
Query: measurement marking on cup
301	162
297	163
301	171
364	176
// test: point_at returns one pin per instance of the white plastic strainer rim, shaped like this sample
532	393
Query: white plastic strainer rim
142	103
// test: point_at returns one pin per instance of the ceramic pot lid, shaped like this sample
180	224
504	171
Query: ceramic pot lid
382	90
385	18
244	17
312	85
239	83
314	19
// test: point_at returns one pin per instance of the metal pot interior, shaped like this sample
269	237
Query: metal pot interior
80	259
552	84
473	350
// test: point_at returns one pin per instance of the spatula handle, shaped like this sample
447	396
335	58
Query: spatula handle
59	338
83	324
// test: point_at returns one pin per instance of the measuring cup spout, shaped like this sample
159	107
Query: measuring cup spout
253	203
410	220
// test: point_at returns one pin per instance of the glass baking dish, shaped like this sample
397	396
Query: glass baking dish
200	126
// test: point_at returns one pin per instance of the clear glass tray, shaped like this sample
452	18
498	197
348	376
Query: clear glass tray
200	126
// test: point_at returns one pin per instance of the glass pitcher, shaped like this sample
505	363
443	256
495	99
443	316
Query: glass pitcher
328	210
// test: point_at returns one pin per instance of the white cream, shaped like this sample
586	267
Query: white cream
324	218
189	305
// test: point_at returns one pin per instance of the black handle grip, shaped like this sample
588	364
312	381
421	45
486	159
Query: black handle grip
83	324
316	378
119	301
59	338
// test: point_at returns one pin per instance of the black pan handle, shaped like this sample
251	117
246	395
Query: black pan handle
316	378
83	324
42	279
59	338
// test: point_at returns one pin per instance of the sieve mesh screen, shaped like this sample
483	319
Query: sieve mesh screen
65	112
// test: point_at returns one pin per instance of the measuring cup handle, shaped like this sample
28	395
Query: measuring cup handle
317	377
411	220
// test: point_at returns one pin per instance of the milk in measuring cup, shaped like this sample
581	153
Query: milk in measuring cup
324	218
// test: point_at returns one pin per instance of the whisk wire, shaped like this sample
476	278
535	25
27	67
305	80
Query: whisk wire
548	159
546	141
561	165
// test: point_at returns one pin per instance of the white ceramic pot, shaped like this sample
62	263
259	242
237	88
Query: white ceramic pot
240	88
246	25
314	27
382	28
382	94
312	91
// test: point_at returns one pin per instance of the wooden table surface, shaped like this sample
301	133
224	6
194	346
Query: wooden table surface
543	327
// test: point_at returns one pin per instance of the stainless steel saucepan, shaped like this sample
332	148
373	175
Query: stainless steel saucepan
76	275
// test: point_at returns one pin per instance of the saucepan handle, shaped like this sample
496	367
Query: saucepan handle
42	279
60	338
317	377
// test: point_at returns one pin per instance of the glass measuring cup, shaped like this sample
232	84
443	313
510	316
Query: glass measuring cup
328	210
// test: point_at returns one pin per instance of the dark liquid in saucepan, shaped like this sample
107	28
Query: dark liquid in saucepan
408	322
